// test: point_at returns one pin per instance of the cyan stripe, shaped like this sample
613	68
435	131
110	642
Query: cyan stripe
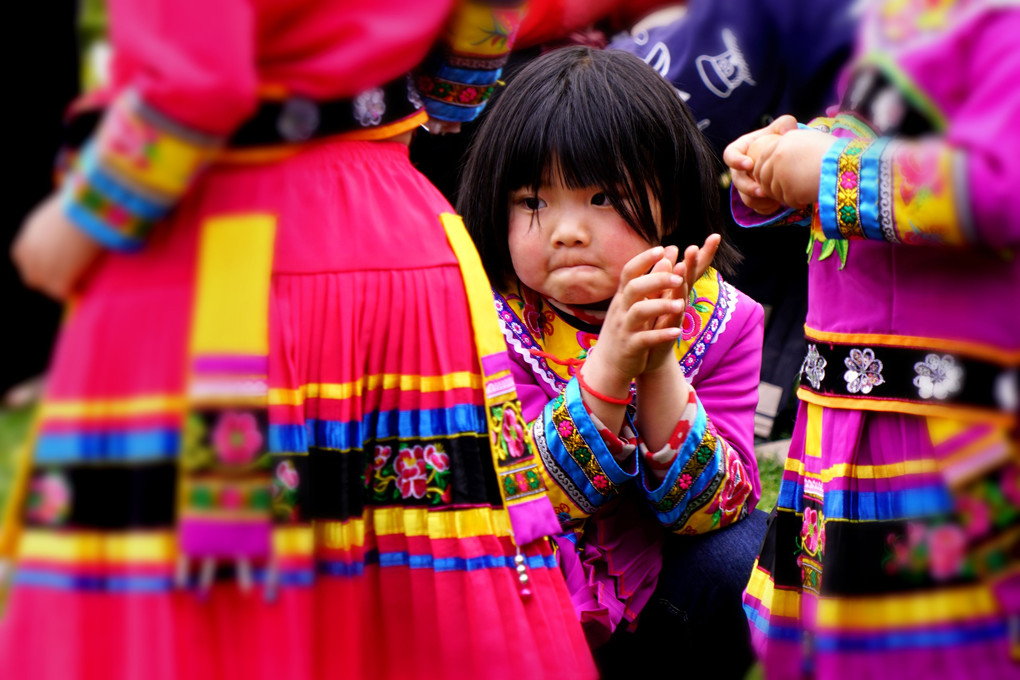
575	407
456	420
869	190
699	485
162	443
470	76
565	460
89	222
828	186
912	639
123	196
444	111
872	505
773	631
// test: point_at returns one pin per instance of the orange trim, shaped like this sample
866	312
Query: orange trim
267	154
972	349
966	413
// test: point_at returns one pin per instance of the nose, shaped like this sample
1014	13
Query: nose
570	230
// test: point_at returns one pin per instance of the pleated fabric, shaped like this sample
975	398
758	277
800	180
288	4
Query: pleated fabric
392	551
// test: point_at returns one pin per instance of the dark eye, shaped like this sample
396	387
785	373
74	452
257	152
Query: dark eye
532	202
601	199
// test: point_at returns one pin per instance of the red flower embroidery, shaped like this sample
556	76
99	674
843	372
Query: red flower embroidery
736	489
684	482
467	94
237	438
410	465
439	461
382	454
946	544
513	433
287	474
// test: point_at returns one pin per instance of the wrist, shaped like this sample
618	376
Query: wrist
601	380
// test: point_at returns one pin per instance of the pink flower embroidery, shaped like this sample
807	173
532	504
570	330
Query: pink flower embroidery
382	454
513	433
287	474
230	498
467	94
736	489
522	481
601	483
50	499
565	428
809	531
439	461
1011	484
684	482
237	438
848	180
410	465
690	326
975	516
946	544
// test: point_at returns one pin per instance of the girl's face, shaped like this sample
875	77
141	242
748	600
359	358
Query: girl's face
570	244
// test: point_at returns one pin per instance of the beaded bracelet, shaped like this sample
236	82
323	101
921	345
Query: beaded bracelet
598	395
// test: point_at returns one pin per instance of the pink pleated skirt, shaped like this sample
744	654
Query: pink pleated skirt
394	557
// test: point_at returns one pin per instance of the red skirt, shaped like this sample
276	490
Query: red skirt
395	558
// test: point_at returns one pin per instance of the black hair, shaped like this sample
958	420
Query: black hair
598	118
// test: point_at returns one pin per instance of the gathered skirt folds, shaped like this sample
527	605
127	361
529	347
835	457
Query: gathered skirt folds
392	554
893	551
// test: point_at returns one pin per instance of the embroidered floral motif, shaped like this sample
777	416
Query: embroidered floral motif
813	367
692	469
829	245
864	371
847	193
456	93
284	495
236	438
537	319
938	377
938	552
49	500
415	473
734	493
506	427
369	107
578	449
811	548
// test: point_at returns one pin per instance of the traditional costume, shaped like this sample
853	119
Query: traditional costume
285	377
614	510
894	549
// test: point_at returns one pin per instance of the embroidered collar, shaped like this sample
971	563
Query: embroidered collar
530	323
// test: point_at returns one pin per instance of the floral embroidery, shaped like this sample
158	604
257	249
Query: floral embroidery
537	319
284	495
811	548
847	194
236	438
369	107
684	482
829	245
49	500
458	93
513	433
938	552
864	371
813	367
506	428
416	472
938	376
734	493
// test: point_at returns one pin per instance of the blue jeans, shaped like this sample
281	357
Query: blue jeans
694	621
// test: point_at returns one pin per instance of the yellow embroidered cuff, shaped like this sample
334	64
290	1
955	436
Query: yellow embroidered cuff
132	173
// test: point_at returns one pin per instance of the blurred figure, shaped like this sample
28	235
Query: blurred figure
894	550
274	441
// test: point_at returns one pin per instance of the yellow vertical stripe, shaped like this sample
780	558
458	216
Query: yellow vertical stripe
813	441
234	265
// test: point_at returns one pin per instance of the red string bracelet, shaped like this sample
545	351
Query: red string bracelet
599	395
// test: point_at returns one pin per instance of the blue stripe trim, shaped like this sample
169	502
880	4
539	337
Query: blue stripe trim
94	446
867	506
57	580
438	564
89	222
774	632
690	445
699	485
912	639
102	181
460	419
575	407
828	186
445	111
483	78
869	187
566	462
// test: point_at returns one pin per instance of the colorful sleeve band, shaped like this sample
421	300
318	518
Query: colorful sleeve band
705	488
132	173
575	455
459	78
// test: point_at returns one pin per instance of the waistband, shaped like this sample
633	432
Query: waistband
907	375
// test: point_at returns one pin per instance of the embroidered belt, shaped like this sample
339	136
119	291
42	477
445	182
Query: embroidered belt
292	120
919	380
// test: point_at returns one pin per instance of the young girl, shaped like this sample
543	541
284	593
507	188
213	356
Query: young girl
269	446
894	548
639	389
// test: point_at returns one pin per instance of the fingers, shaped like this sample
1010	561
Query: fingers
783	124
639	264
